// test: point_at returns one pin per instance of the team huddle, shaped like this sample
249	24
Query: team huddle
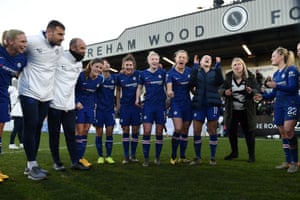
53	83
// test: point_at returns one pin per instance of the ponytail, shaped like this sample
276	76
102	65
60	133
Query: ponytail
10	35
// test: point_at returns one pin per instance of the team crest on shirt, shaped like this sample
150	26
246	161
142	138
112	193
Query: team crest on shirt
159	76
98	85
19	65
283	76
134	78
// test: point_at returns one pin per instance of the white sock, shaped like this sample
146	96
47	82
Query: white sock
31	164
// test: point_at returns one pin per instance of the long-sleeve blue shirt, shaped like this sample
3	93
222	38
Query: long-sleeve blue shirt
286	91
10	66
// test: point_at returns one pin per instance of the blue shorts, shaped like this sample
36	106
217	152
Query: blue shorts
4	113
130	115
184	112
155	114
85	116
210	113
106	118
284	113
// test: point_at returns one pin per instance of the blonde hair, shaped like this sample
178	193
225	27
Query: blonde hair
152	53
289	56
245	70
10	35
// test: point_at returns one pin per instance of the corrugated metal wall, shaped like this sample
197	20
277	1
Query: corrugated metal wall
207	24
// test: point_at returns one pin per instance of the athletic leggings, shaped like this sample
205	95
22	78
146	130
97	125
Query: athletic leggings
34	113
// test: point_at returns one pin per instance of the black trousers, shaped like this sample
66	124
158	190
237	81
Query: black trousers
239	117
17	130
56	118
34	113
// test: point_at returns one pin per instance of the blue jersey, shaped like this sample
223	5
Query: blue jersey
180	86
86	90
10	66
106	94
154	83
128	83
286	91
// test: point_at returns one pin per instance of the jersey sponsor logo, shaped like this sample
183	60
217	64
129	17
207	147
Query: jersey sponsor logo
131	85
109	86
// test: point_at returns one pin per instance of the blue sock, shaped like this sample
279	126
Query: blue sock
158	145
109	145
79	146
98	143
197	146
293	143
125	141
84	143
183	145
134	143
286	150
146	146
213	141
175	143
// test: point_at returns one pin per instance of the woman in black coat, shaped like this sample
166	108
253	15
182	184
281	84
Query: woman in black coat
238	90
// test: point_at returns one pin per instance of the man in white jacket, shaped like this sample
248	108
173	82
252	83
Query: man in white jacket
62	107
36	90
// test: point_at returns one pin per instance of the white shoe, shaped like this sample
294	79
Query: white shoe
293	168
13	146
21	146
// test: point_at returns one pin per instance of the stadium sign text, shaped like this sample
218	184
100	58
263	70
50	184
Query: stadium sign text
234	19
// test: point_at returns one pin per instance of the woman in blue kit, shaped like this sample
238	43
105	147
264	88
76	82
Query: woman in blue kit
88	82
130	114
154	106
286	107
12	61
180	105
105	114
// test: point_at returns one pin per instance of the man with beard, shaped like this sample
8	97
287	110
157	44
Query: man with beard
36	90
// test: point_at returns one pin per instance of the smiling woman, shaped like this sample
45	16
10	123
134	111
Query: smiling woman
12	61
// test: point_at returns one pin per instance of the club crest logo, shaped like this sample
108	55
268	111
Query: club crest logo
235	18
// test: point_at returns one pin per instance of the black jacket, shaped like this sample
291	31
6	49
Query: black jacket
205	86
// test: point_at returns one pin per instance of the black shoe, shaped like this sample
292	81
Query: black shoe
231	156
59	166
251	159
79	166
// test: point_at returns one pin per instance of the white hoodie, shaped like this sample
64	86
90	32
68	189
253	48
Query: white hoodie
37	78
65	80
